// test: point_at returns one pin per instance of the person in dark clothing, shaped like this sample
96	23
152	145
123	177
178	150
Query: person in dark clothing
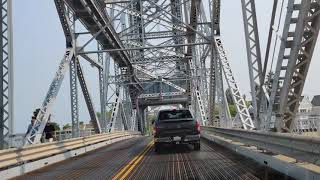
49	131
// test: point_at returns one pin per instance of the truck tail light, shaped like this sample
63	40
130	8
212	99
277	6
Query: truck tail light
198	126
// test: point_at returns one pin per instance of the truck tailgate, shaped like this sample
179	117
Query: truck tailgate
176	128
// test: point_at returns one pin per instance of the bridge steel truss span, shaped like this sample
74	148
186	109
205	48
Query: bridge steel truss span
70	17
300	34
170	52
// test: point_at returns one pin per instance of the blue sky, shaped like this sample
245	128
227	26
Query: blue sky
39	46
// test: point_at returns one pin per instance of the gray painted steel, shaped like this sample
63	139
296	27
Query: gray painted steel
6	73
299	147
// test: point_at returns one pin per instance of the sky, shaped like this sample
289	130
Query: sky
39	45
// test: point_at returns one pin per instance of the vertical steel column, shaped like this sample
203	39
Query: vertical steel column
6	74
176	10
106	88
106	124
215	19
102	91
212	90
224	113
74	98
142	115
139	33
73	77
253	55
133	120
215	30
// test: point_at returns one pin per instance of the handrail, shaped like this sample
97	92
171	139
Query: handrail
11	157
301	148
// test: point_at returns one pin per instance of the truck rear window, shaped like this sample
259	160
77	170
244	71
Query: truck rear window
175	114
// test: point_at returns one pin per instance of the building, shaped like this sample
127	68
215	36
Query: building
305	105
316	104
308	116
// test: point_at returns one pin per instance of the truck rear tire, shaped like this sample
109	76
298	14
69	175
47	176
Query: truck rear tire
197	146
157	147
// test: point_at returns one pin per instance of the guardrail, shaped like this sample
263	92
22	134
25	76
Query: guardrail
296	146
17	156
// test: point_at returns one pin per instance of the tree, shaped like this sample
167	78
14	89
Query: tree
229	96
216	111
269	82
233	110
98	115
66	126
56	126
108	114
151	117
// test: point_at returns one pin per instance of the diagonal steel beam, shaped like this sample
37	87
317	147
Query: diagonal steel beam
88	100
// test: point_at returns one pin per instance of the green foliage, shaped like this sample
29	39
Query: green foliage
81	123
98	115
151	117
229	96
66	126
269	81
233	110
216	111
108	114
248	103
56	126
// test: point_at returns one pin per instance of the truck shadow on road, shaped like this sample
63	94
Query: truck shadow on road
174	149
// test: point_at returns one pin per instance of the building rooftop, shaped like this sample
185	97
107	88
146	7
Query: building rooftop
316	100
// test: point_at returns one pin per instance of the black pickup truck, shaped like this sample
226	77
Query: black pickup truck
176	127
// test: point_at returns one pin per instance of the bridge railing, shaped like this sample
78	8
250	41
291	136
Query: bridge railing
17	140
17	156
299	147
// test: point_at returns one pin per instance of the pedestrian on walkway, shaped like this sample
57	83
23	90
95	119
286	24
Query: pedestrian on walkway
49	130
33	120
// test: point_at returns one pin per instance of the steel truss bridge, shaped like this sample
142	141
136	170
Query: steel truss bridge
170	52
